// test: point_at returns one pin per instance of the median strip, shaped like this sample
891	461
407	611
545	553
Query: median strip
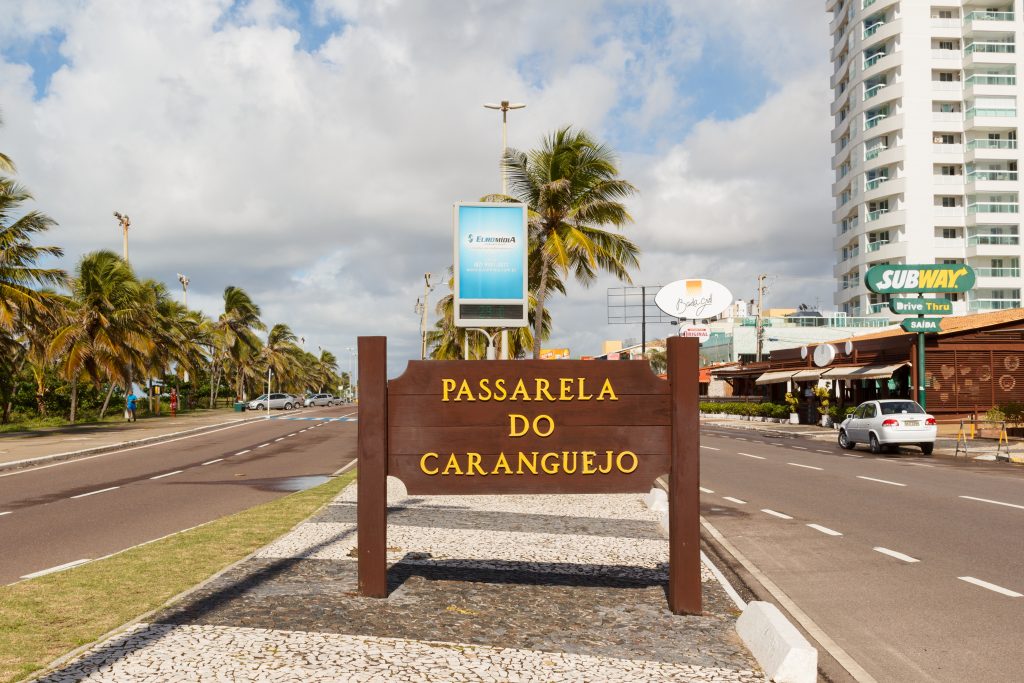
93	493
994	502
167	474
824	530
991	586
897	555
881	481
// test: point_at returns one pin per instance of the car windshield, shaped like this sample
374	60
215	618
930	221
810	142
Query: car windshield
897	407
260	397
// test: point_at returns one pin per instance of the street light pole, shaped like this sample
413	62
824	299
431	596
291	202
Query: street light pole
758	320
183	279
268	392
422	307
125	224
504	108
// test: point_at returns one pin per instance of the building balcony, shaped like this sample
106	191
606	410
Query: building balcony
991	79
992	208
993	240
997	272
951	58
952	180
974	112
977	54
880	63
989	47
978	305
943	150
976	20
873	90
878	188
947	86
948	117
984	176
882	219
875	246
875	183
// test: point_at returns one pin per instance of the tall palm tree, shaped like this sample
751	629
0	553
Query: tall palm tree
572	190
281	354
234	337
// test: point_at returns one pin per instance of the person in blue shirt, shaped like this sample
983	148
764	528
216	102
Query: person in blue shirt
132	401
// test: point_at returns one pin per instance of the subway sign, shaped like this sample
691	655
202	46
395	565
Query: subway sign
936	277
921	306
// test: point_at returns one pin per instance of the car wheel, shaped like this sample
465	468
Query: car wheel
876	447
287	406
927	448
844	440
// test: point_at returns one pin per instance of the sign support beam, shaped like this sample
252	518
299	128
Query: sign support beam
372	480
684	588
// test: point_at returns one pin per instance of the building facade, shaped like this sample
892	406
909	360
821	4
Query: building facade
926	153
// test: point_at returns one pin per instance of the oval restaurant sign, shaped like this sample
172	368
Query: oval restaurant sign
693	299
936	277
497	427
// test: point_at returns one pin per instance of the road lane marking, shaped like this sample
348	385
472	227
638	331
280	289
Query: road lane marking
263	445
210	462
58	568
807	467
800	448
735	500
292	434
991	586
711	448
824	530
881	481
897	555
852	455
773	513
93	493
818	450
773	443
920	464
5	513
751	455
740	438
240	453
161	476
702	490
279	439
994	502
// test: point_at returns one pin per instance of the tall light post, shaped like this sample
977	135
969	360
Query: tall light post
504	108
183	279
351	370
421	307
125	224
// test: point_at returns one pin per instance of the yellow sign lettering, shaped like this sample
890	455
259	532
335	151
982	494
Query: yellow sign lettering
423	463
548	468
607	389
453	464
502	464
513	430
588	462
446	386
473	462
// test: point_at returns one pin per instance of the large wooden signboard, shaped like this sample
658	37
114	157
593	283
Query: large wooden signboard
496	427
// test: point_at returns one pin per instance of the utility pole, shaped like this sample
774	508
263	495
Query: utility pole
423	315
761	289
125	224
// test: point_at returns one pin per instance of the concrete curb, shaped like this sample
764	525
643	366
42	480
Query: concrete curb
781	650
73	455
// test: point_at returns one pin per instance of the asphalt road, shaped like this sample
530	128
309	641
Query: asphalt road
914	565
88	508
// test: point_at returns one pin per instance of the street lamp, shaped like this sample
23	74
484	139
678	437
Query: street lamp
421	308
504	108
351	370
183	279
125	224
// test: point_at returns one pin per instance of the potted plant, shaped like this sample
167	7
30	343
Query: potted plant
821	394
793	401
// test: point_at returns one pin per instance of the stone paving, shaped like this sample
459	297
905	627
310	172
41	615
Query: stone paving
482	588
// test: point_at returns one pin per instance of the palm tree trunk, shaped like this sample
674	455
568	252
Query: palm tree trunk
74	399
538	313
106	401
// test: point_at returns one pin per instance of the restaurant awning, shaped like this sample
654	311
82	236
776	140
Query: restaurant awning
775	377
808	375
864	371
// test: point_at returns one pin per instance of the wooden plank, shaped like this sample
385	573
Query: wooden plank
684	588
372	448
626	377
630	409
495	439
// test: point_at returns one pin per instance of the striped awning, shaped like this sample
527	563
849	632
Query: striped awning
775	377
808	375
864	371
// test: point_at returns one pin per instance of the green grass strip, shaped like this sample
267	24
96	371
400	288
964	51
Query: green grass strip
45	618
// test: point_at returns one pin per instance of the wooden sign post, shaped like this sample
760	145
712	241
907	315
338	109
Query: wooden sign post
517	427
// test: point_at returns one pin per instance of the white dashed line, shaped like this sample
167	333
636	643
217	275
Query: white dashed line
53	570
751	455
991	586
735	500
994	502
893	553
210	462
238	453
773	513
263	445
710	448
702	490
5	513
168	474
773	443
920	464
818	450
93	493
800	448
852	455
292	434
740	438
279	439
806	467
824	530
881	481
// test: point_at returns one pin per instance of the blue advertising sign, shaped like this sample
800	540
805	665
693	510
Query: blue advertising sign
491	245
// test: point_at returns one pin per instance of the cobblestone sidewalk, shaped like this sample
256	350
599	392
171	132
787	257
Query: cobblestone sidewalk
483	588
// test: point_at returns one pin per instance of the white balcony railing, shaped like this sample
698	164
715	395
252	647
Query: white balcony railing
997	272
875	215
873	90
974	176
873	29
976	111
990	47
985	15
993	207
876	245
991	79
874	120
993	304
985	240
873	59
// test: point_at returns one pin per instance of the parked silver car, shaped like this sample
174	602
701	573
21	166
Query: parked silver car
320	400
888	423
277	402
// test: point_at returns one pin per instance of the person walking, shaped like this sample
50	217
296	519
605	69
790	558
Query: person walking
132	401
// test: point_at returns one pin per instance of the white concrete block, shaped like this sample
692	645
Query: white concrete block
656	496
780	649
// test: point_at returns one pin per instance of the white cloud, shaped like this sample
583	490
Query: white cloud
321	181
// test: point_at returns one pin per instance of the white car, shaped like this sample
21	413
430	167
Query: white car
320	400
889	423
277	402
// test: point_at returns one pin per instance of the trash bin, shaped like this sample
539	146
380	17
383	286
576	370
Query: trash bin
239	407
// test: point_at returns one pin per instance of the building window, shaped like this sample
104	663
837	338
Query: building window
945	14
949	170
949	233
949	202
946	76
944	139
945	44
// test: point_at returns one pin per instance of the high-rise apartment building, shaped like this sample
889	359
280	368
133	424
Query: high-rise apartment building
926	154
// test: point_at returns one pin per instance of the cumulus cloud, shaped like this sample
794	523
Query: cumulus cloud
320	178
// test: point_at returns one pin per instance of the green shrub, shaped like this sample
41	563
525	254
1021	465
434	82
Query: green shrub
995	414
1013	411
746	409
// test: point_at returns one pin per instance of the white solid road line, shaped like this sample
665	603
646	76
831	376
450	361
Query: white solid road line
881	481
806	467
240	453
824	530
210	462
711	448
991	586
161	476
735	500
53	570
93	493
893	553
751	455
702	489
994	502
773	513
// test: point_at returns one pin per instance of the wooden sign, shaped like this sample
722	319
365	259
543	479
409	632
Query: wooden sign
503	427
